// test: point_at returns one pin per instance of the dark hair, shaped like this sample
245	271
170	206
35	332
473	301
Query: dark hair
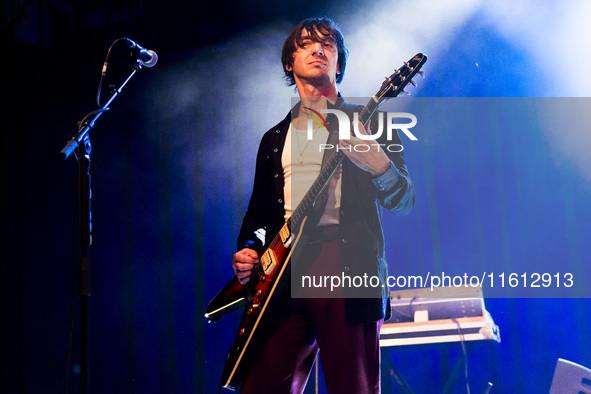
326	27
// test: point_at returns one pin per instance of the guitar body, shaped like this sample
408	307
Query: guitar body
269	278
258	297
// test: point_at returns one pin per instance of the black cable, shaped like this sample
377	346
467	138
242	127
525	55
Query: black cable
462	341
83	123
104	71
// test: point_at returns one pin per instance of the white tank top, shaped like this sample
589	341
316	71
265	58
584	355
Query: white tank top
301	161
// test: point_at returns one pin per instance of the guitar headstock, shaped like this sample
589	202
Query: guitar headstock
395	83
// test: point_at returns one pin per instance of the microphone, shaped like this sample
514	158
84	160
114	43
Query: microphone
148	57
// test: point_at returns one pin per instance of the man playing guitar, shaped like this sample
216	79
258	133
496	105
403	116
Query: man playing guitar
347	237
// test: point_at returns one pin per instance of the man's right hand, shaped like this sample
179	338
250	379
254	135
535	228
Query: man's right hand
243	261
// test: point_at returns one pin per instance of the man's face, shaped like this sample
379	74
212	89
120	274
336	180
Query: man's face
314	61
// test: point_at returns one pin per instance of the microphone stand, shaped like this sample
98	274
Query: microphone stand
80	144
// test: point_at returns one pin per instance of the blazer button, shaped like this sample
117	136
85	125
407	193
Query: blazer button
276	176
280	201
346	268
275	150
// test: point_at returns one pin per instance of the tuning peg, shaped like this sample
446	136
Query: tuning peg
405	92
413	83
422	74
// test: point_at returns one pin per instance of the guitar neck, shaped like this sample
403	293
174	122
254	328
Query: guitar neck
328	170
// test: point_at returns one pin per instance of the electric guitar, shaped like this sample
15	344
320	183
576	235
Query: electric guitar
269	278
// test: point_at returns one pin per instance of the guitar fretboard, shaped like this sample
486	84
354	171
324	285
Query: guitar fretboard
327	171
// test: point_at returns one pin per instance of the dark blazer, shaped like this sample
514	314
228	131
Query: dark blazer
363	250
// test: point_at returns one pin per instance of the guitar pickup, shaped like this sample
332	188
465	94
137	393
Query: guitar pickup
285	234
268	261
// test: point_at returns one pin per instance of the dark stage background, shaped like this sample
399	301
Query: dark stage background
172	168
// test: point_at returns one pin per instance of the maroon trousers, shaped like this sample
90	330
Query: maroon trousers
303	326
